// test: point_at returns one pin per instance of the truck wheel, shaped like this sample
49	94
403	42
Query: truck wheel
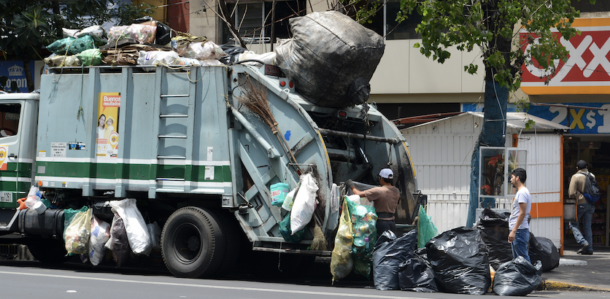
231	231
48	251
192	243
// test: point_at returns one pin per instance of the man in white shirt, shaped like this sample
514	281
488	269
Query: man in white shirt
518	223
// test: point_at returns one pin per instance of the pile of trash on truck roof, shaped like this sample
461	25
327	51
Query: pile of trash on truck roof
331	58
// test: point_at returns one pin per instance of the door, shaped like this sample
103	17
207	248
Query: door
15	164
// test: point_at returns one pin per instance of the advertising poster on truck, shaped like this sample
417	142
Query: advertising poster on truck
107	128
3	154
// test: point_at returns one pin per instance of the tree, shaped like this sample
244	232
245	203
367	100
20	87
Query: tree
493	26
27	26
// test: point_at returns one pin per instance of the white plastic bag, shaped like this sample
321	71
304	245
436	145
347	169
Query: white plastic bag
304	203
266	58
187	61
157	57
202	51
137	233
97	32
155	234
70	32
33	197
78	232
289	201
100	233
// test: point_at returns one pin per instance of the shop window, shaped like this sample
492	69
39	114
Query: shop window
385	24
9	119
253	20
586	6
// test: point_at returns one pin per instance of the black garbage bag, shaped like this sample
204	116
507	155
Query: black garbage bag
389	253
232	52
494	232
459	259
517	278
163	34
417	275
489	213
331	58
542	249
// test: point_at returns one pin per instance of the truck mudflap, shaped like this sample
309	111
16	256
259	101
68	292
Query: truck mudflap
49	224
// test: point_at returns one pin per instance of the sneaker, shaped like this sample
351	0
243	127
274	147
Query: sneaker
583	248
588	252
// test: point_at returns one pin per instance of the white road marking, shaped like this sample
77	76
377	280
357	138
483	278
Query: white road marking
70	291
213	287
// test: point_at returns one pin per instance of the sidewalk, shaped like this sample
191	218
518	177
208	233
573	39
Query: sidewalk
595	276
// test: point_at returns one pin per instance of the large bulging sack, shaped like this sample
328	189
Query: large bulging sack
494	232
331	58
417	276
460	261
517	278
389	253
543	249
137	233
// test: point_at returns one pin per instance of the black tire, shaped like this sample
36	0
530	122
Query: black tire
231	232
48	251
192	243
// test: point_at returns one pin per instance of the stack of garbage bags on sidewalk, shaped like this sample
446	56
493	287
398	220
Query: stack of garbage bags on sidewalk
90	237
462	260
145	42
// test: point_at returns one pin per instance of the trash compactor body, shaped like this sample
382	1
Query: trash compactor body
196	150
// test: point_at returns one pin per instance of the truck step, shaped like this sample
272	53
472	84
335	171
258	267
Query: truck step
173	116
171	157
294	251
175	95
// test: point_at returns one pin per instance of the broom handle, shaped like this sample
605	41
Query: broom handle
286	148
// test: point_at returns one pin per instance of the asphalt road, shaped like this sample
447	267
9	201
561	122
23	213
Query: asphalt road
34	280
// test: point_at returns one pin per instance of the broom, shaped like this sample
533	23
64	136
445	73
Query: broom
255	98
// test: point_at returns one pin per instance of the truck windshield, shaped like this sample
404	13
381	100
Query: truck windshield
9	119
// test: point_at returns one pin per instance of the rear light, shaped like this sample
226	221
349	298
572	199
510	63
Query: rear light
291	84
282	83
342	114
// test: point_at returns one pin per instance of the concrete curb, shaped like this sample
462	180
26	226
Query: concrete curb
551	285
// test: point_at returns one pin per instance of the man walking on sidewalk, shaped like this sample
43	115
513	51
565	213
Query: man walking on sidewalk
518	223
584	210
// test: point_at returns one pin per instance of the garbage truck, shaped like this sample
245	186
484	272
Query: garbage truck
197	157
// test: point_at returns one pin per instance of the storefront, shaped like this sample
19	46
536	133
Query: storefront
578	96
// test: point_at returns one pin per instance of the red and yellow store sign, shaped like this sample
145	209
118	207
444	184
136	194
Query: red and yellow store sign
587	70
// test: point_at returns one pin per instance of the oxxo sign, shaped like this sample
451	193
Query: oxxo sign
587	70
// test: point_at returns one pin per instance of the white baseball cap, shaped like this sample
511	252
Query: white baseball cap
386	173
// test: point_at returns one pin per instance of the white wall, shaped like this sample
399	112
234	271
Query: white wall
404	70
442	151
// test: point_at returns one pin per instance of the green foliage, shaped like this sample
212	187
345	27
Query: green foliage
27	26
492	26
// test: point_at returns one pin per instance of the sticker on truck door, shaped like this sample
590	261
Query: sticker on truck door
3	158
107	126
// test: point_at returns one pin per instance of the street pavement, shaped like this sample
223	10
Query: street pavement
595	275
72	280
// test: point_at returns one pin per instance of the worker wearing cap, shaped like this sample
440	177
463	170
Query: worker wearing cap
384	198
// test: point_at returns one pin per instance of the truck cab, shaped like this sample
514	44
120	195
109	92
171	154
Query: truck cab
18	125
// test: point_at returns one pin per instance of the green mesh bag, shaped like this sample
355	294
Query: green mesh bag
364	220
69	214
427	230
71	45
90	57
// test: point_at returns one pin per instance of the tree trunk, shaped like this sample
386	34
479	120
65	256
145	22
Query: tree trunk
58	22
229	20
493	133
272	25
28	75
